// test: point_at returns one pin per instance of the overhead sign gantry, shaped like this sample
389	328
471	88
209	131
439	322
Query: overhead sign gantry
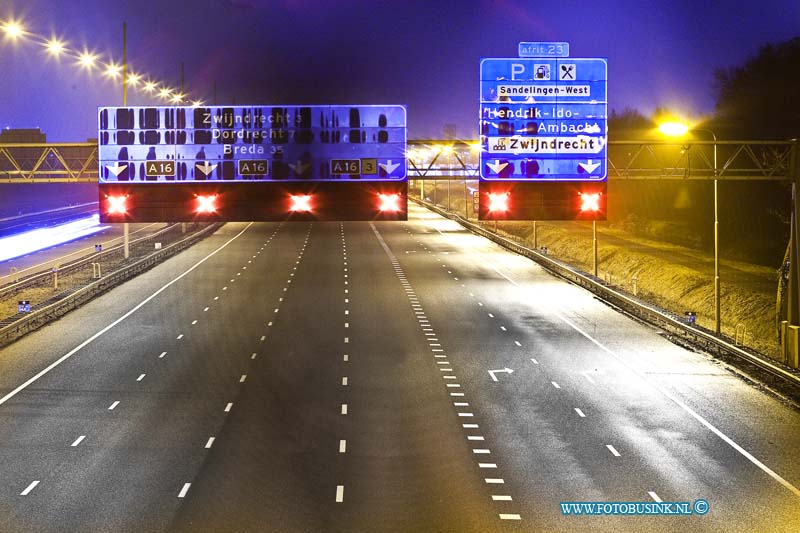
242	163
543	135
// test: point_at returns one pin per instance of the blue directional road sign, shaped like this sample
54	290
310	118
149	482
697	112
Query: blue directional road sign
543	119
168	144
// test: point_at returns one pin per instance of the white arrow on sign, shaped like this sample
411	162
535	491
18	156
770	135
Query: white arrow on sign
504	370
497	166
389	167
116	169
205	168
589	167
299	167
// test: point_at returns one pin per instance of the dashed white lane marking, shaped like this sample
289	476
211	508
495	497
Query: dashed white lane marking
141	377
344	381
216	298
29	488
194	322
588	377
344	408
244	377
580	413
504	516
228	407
78	441
263	338
342	446
179	337
113	406
184	490
254	355
345	357
556	385
517	343
347	340
225	288
210	442
494	481
613	450
206	309
654	496
501	498
339	493
534	361
445	366
503	328
162	355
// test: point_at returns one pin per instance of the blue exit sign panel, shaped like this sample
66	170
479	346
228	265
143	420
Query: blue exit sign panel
237	144
544	49
544	119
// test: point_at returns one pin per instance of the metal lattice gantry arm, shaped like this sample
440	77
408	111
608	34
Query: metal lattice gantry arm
449	159
48	163
737	160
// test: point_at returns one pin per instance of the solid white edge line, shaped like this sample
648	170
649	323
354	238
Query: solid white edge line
141	304
688	409
764	468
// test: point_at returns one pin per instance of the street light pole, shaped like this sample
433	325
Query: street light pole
716	242
126	235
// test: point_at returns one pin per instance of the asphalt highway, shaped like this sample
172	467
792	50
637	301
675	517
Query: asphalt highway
375	377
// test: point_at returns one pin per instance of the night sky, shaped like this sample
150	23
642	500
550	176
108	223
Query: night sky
422	54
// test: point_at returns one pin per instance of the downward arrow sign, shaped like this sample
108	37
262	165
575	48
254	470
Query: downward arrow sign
116	169
497	166
503	370
589	167
298	167
205	168
389	167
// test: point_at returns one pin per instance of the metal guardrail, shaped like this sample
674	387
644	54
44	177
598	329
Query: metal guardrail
76	265
627	303
75	298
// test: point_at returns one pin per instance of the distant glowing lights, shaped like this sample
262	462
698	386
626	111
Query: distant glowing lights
590	202
55	47
87	60
117	205
301	203
389	202
673	129
498	202
207	203
113	70
13	29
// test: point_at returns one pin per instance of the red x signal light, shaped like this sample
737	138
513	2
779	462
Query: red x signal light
389	202
590	202
301	203
206	203
498	202
117	205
